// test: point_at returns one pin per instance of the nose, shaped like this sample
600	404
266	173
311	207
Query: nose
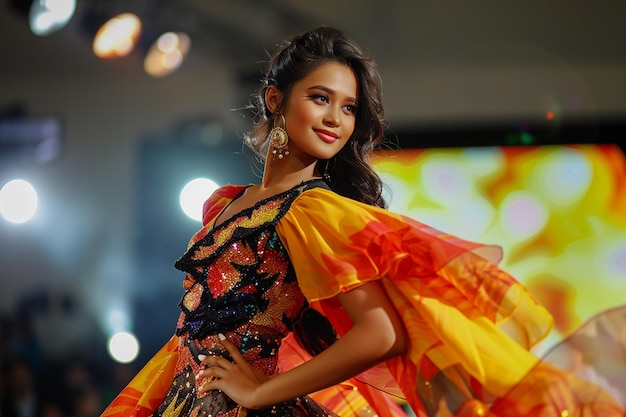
331	118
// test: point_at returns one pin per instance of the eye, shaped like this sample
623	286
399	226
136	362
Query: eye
320	98
350	109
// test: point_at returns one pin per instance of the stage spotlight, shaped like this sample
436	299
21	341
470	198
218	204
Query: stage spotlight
123	347
193	196
117	37
166	54
18	201
48	16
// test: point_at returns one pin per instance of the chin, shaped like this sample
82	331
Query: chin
328	154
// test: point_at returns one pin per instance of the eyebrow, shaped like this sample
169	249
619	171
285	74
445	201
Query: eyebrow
330	91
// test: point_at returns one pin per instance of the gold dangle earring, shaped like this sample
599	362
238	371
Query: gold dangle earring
279	138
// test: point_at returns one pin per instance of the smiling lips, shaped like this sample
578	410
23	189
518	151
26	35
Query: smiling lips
326	136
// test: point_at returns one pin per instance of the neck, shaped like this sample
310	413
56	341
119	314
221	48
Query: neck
287	172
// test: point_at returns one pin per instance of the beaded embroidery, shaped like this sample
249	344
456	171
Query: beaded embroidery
235	265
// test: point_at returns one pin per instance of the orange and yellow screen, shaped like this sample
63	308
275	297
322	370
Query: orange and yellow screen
559	212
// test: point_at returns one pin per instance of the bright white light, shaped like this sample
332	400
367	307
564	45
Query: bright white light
18	201
47	16
193	196
123	347
117	37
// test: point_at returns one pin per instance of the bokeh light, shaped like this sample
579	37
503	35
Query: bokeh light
18	201
48	16
166	54
522	215
444	180
117	37
194	194
123	347
562	176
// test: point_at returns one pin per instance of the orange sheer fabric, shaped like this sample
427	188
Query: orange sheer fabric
470	324
148	388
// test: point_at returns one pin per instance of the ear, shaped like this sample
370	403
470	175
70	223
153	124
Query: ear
273	98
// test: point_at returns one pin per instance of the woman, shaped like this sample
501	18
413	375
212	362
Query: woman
372	298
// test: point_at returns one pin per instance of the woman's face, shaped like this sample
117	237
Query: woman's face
320	112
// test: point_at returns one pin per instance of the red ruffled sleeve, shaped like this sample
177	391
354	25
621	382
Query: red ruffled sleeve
218	200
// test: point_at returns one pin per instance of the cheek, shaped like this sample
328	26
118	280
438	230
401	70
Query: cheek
303	115
350	125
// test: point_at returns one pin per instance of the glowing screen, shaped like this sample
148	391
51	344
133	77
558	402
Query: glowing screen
559	212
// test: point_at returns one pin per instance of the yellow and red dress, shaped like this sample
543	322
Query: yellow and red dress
470	324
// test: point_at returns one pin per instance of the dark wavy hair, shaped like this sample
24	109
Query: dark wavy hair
349	173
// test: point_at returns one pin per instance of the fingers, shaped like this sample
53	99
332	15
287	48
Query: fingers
205	385
231	349
228	346
215	368
215	361
211	366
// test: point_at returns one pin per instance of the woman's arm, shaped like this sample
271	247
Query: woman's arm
377	334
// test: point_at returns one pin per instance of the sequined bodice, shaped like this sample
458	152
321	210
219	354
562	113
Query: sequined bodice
240	282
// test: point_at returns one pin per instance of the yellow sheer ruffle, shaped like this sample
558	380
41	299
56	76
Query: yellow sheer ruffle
470	324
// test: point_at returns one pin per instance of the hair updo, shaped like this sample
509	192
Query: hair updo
349	173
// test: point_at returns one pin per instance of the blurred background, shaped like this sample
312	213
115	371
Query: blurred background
508	121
